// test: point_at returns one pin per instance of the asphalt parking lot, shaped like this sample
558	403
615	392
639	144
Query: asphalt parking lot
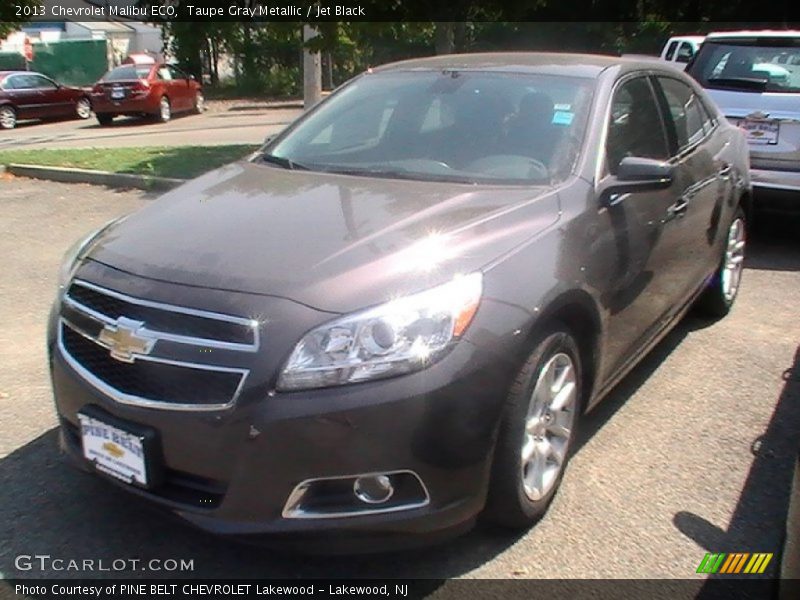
225	122
691	454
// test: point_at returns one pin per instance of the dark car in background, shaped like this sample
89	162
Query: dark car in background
754	77
29	95
392	318
146	88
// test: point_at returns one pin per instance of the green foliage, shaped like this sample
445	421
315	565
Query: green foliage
9	21
181	162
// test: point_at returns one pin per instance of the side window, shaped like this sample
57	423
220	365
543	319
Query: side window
177	73
708	119
22	82
165	74
671	50
686	111
635	127
41	83
685	53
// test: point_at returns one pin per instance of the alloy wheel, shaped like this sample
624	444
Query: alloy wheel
734	260
199	102
8	118
548	426
83	108
166	110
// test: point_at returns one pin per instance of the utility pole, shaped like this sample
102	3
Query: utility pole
312	71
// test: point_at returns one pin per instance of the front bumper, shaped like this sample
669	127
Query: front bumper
232	471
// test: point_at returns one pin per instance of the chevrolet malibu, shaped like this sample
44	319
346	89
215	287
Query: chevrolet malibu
390	320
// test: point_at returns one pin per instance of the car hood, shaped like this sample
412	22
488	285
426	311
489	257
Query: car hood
334	242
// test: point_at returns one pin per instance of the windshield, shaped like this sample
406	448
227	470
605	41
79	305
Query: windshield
477	127
754	65
127	73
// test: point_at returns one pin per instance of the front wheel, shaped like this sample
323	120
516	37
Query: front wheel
199	103
164	110
537	432
718	298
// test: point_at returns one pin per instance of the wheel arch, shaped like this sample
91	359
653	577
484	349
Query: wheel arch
577	311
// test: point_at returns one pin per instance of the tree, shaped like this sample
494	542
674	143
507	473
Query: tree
9	21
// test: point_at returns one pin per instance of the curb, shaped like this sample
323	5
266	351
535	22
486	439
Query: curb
113	180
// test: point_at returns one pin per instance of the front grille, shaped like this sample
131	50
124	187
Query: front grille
162	318
150	380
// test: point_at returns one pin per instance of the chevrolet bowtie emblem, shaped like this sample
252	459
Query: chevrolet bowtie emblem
125	340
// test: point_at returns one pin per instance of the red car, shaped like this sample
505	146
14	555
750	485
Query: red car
29	95
155	89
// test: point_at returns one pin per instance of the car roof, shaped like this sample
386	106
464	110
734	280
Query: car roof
688	38
575	65
752	33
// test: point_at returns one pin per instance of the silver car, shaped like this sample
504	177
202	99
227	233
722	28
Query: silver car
754	77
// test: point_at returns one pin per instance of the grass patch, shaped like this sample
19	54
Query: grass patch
182	162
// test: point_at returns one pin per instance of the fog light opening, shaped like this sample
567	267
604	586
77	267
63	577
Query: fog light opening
373	489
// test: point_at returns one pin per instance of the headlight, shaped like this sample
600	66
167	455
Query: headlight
400	336
77	252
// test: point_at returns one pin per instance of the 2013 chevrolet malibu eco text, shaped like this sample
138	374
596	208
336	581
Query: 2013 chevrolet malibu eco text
390	320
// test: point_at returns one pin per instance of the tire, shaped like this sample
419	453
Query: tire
199	103
165	110
520	488
104	120
83	108
718	298
8	117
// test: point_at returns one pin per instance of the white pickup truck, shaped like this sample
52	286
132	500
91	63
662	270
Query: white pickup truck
680	49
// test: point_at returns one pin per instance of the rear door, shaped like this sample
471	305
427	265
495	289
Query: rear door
24	95
644	239
701	180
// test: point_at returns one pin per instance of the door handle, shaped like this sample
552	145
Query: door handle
725	172
678	209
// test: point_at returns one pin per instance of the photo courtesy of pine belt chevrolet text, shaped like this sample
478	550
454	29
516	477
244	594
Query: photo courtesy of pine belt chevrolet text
389	322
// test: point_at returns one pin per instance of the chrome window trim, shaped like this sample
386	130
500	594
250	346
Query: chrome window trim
172	337
133	400
292	510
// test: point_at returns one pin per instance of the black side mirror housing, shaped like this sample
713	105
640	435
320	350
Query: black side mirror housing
637	174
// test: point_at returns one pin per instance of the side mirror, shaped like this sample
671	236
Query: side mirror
637	174
645	170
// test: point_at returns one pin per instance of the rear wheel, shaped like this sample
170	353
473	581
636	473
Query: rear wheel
8	117
164	110
719	296
83	108
537	432
104	119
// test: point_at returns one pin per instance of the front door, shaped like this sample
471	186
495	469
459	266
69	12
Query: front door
640	284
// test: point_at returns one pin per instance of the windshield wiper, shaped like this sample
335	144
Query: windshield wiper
281	161
744	83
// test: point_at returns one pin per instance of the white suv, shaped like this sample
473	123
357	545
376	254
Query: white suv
754	77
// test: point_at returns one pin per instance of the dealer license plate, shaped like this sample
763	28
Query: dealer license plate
760	133
113	451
